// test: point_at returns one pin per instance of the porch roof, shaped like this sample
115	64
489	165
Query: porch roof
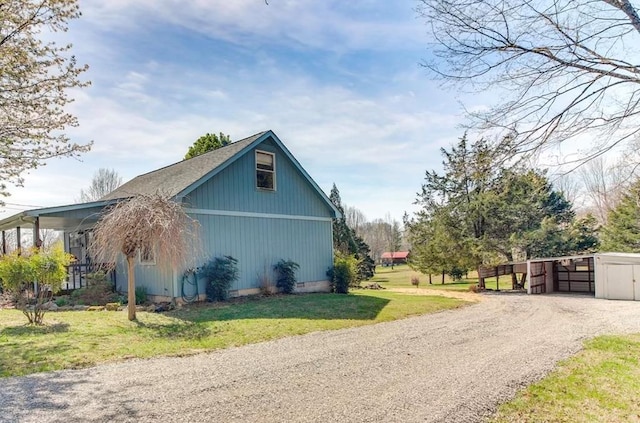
73	216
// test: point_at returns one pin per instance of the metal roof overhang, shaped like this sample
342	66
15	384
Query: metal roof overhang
81	217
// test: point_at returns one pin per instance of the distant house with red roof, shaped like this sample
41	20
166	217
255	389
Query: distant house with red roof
397	257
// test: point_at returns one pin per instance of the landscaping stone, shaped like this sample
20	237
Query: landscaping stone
50	306
80	307
95	308
112	306
374	285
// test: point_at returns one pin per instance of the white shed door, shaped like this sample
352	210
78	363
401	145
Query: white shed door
620	282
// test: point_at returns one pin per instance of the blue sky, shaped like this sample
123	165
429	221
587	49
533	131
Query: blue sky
339	82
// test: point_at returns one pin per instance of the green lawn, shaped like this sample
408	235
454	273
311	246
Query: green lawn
600	384
79	339
400	277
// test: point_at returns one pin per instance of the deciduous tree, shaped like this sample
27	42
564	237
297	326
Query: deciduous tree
559	69
206	143
35	78
104	181
149	224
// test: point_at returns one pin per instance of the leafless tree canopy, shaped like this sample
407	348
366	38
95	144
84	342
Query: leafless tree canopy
564	68
104	181
147	221
34	78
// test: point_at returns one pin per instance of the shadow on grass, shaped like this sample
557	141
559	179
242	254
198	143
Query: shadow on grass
34	330
181	329
306	306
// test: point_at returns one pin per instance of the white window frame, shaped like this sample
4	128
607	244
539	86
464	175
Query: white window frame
151	261
273	172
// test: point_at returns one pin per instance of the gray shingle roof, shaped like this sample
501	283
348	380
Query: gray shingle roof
173	179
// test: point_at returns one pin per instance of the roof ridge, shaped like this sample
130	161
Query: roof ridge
234	143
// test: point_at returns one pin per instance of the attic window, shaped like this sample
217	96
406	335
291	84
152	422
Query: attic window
265	170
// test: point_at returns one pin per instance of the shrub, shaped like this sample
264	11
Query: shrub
415	281
286	279
265	283
62	301
141	295
220	273
456	273
20	269
98	292
343	274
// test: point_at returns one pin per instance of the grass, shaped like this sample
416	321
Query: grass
400	277
600	384
81	339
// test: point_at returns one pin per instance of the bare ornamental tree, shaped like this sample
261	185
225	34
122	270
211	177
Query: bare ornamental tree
563	69
149	225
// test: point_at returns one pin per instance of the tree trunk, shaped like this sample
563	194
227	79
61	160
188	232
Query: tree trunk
430	279
131	307
442	276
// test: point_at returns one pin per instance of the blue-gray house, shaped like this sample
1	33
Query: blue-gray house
253	201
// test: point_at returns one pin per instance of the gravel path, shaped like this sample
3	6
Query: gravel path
451	366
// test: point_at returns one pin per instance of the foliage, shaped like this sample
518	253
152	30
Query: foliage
145	222
415	281
220	273
141	295
35	77
622	231
562	67
344	273
286	279
103	182
456	273
476	211
33	277
206	143
347	242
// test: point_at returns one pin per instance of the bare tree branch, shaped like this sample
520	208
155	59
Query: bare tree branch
564	69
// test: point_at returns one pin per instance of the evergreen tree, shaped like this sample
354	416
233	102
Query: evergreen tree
622	231
347	243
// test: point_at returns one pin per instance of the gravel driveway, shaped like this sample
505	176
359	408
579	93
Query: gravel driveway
453	366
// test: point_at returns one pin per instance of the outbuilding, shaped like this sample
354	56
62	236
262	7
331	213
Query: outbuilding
606	275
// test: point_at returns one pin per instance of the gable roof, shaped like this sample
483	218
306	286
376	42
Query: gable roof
179	179
396	255
173	179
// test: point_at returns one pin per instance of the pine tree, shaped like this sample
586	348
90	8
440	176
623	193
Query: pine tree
622	231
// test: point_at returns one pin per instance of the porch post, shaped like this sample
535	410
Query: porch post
37	242
4	243
18	243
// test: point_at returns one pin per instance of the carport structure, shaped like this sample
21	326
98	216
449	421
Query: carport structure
614	276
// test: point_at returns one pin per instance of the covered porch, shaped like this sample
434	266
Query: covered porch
75	222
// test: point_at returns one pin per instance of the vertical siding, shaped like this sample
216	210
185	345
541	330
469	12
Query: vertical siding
235	189
258	243
157	279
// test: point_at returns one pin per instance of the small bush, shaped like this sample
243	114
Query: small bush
474	288
265	283
62	301
141	295
98	291
286	270
220	273
456	273
415	281
343	274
